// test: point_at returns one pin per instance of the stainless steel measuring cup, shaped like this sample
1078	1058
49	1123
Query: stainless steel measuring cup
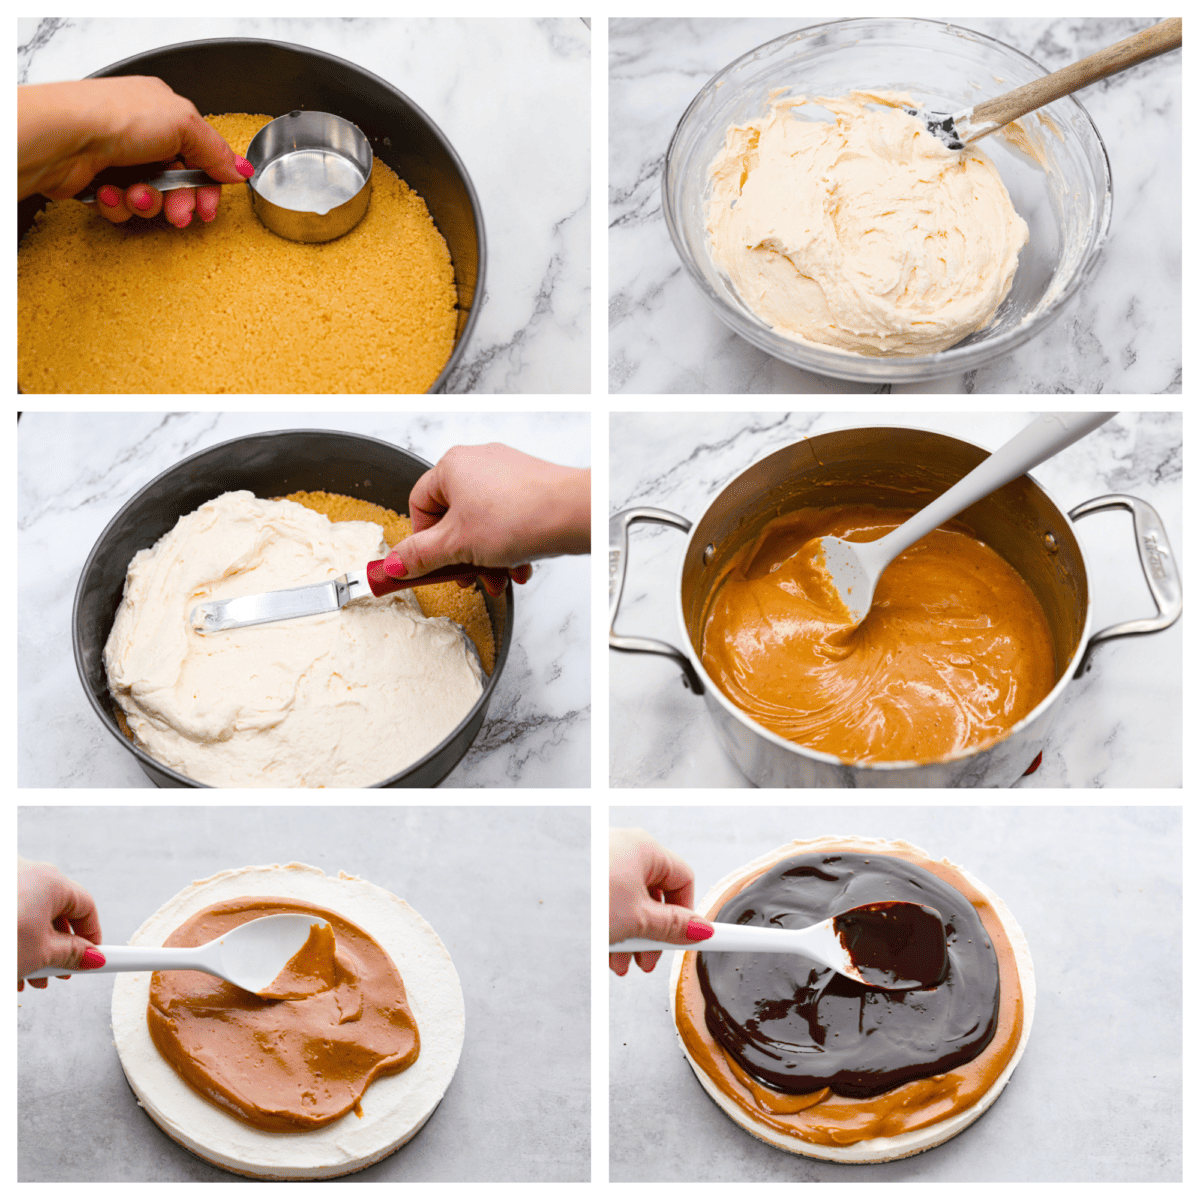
312	176
311	181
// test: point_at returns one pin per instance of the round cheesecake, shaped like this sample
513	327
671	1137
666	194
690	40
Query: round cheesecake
741	1098
394	1107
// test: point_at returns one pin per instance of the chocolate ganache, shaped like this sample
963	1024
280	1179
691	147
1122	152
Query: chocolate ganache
798	1027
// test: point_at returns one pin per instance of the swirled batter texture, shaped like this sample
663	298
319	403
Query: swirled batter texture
343	699
288	1064
865	233
954	651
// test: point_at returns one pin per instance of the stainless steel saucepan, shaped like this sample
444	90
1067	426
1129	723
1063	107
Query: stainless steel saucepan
897	468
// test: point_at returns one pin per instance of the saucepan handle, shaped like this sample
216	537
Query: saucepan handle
1158	565
618	558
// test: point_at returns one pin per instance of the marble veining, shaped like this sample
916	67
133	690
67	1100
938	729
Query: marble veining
527	150
1120	725
1121	333
76	470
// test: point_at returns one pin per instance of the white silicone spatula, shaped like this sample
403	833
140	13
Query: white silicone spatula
855	567
902	943
250	956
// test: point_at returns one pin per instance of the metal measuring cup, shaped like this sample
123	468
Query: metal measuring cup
312	176
311	181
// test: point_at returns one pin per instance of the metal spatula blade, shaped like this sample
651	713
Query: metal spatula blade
216	616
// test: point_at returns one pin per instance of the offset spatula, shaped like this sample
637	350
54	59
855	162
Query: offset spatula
215	616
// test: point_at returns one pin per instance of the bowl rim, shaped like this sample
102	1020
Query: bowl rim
822	360
130	65
147	760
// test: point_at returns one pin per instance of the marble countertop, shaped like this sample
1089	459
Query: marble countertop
1121	725
533	334
75	471
1121	333
518	1106
1056	1120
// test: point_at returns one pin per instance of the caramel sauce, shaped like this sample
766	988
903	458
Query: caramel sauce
312	969
292	1064
824	1117
954	651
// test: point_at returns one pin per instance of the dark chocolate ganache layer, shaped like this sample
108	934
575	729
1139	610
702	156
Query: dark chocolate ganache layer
797	1026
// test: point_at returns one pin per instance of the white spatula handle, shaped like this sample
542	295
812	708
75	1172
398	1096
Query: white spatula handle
1049	434
134	958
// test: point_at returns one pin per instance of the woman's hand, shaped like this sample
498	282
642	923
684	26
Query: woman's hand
68	132
650	894
493	506
56	923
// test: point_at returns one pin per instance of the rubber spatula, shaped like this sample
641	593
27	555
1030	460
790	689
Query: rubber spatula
854	568
970	124
250	956
894	945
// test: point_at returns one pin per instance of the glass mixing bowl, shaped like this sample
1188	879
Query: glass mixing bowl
1067	203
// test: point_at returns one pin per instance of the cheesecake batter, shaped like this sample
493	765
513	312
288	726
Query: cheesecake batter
284	1064
954	651
344	699
866	234
878	1118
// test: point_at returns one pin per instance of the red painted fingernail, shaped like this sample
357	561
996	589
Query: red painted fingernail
394	566
92	959
1033	766
243	167
142	201
698	931
109	196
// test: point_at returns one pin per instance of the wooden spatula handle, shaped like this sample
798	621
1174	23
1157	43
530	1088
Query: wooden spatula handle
1158	39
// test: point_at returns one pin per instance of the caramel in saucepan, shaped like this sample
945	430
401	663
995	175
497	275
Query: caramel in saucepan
285	1064
954	651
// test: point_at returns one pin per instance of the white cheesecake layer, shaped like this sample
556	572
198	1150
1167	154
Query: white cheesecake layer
394	1107
873	1150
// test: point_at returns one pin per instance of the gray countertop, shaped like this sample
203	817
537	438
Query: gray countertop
1098	1093
491	881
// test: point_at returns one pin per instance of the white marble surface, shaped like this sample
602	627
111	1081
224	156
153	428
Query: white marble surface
527	149
75	470
517	1108
1121	725
1057	1120
1122	333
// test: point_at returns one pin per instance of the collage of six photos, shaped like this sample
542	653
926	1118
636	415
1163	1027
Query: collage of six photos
273	589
